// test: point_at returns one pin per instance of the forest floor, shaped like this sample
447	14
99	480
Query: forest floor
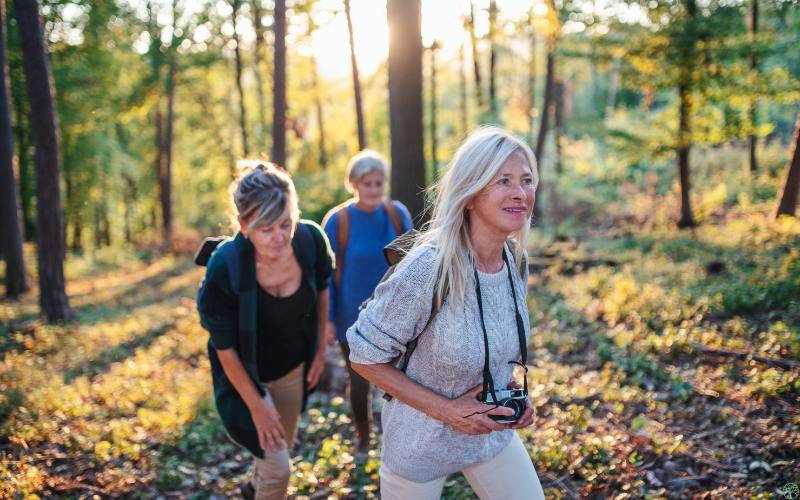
663	364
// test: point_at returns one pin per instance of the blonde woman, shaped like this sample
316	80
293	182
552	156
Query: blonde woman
471	259
264	301
358	230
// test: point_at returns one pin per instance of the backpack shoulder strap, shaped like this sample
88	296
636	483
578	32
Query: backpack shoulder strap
394	216
342	238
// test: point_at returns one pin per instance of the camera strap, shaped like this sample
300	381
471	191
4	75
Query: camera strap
488	382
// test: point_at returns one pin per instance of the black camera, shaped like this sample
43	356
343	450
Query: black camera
516	399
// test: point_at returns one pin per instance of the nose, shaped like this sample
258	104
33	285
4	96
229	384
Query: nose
518	191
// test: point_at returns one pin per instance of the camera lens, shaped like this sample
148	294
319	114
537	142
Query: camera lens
518	405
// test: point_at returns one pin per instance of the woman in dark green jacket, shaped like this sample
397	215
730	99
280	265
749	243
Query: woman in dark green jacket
263	301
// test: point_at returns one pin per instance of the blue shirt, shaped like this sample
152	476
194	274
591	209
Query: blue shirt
364	263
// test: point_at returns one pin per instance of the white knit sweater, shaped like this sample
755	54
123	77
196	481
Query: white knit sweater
448	360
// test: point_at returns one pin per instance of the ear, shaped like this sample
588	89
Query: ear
243	227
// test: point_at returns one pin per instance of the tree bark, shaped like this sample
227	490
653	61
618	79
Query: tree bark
558	107
279	86
752	139
531	79
362	134
257	51
240	90
493	59
323	153
611	100
544	119
462	94
44	127
165	173
475	59
684	122
16	282
791	186
434	143
405	104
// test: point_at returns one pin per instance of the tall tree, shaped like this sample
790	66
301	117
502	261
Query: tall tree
462	91
362	134
239	88
257	55
686	50
279	86
44	128
470	22
433	101
405	103
493	59
531	77
9	211
752	139
547	103
791	186
559	95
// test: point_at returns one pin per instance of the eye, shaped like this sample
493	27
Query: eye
504	181
528	181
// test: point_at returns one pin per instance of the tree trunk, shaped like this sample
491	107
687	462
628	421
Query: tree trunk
165	173
791	185
16	283
544	119
493	59
475	59
611	100
257	51
684	122
27	181
558	114
434	143
405	104
279	86
44	127
462	87
362	134
752	139
323	154
238	57
531	80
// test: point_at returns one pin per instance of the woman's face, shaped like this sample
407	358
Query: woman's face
369	189
273	241
506	203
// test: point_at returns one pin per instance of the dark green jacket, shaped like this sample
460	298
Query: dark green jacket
230	317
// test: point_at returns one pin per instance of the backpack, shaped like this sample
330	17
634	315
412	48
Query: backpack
343	231
394	253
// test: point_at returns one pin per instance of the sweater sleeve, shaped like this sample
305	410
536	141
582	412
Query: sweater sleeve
400	309
217	305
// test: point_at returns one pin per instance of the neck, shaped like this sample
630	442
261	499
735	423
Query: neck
268	260
488	250
361	205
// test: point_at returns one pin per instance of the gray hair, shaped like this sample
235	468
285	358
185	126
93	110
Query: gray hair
262	193
364	163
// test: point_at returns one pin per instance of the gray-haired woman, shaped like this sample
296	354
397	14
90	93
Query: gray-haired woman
264	301
460	293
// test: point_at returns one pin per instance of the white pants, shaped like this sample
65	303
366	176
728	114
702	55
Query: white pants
508	476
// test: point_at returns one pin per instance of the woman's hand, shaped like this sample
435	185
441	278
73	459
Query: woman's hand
468	415
271	435
527	416
330	332
317	366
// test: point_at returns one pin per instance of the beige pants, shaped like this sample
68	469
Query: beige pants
271	473
508	476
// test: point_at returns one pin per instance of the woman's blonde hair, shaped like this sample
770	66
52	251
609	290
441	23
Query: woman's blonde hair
474	165
365	162
262	193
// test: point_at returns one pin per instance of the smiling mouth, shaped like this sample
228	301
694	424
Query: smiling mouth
515	210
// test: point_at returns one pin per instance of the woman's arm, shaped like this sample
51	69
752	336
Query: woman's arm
465	413
318	364
265	417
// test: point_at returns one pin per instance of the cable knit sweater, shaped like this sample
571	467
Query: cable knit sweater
448	360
